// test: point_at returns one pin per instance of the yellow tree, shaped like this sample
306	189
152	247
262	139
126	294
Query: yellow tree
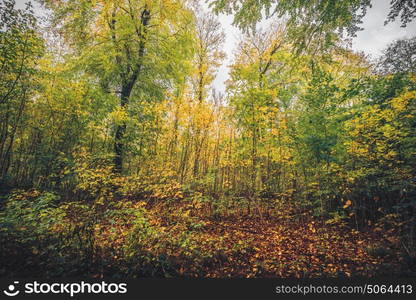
132	46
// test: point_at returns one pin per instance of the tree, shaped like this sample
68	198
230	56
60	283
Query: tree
312	24
21	46
208	56
208	53
406	9
399	57
259	80
123	43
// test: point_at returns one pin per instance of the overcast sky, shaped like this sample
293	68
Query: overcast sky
371	40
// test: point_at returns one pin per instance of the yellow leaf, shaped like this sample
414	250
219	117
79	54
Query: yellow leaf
347	204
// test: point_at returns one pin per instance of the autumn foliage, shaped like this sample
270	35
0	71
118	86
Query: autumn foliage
118	158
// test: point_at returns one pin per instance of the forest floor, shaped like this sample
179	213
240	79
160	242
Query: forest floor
136	239
287	244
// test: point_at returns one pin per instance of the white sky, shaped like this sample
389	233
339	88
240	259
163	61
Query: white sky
375	36
371	40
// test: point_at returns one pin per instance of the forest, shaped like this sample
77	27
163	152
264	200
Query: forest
119	157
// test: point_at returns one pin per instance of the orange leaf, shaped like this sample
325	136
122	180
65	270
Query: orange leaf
347	204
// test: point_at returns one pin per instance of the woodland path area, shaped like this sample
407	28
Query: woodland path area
291	244
176	240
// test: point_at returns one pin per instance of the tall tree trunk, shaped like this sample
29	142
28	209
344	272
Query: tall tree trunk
121	129
128	82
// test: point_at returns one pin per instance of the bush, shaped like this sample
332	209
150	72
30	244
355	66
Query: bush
38	232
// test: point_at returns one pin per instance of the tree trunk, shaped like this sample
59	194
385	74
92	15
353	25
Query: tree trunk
121	129
127	85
